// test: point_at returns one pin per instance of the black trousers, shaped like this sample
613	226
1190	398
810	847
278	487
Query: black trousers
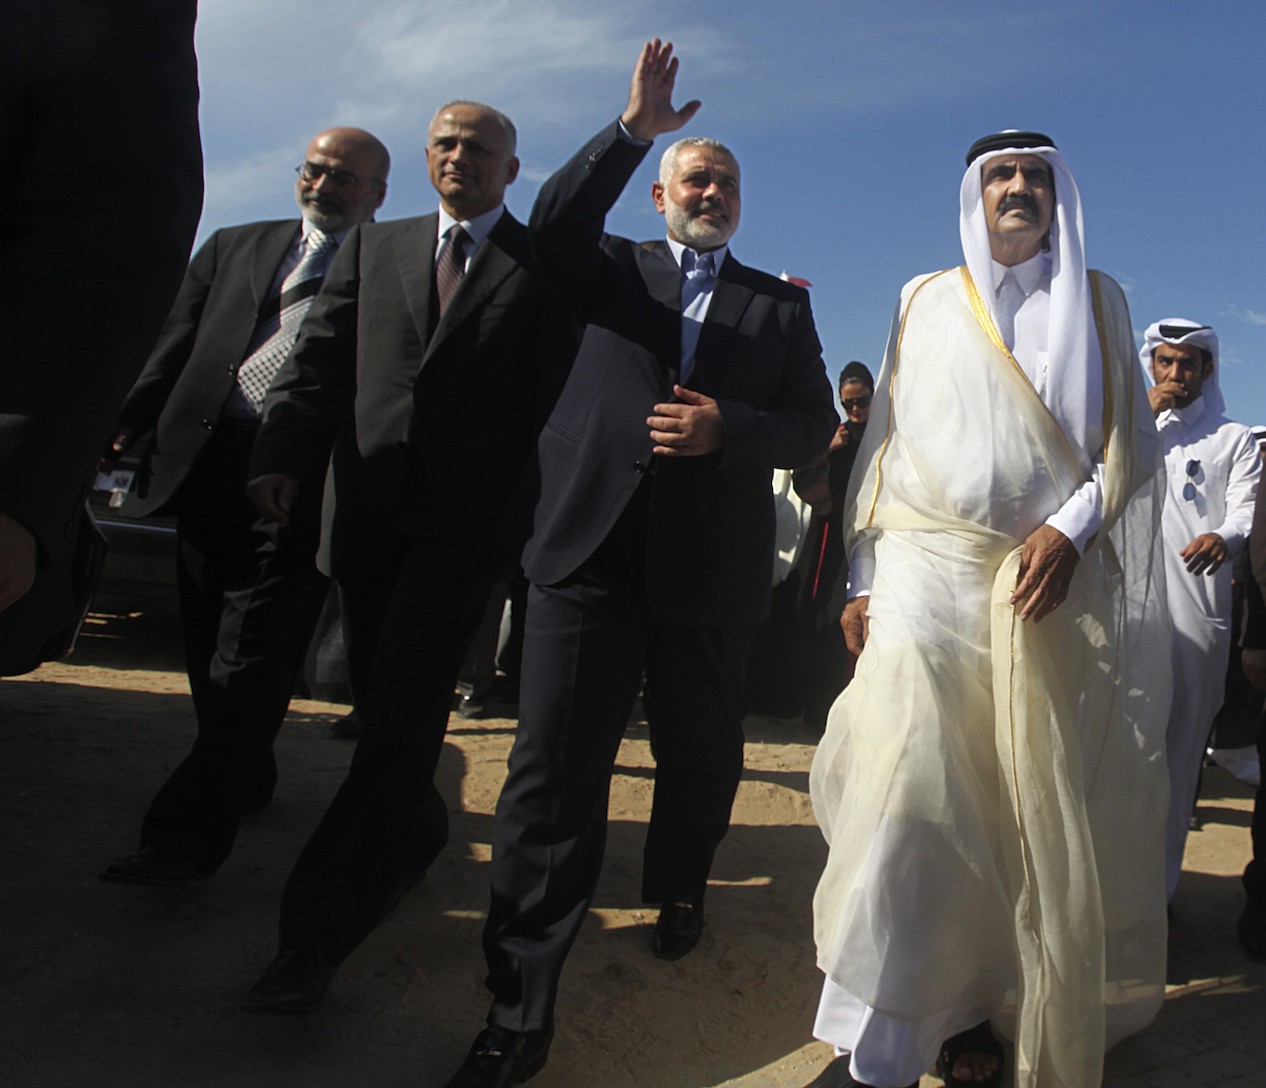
408	631
588	643
250	595
1255	872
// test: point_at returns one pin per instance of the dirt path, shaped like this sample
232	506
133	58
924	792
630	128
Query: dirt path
110	986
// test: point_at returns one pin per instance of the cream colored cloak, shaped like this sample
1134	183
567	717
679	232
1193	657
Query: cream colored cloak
993	791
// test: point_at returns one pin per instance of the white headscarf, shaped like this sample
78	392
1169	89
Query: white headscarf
1195	335
1074	392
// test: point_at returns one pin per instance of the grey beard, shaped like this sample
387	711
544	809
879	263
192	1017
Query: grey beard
693	232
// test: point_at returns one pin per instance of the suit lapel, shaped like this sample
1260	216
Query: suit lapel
415	251
662	276
271	248
491	267
730	299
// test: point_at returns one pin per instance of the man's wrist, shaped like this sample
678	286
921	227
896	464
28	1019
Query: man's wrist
627	133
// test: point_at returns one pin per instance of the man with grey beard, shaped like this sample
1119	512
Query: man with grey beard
250	592
651	552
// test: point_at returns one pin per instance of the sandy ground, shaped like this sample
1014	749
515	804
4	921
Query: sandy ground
105	985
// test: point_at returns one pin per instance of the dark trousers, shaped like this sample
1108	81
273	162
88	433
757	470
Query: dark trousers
587	645
1255	873
250	595
408	630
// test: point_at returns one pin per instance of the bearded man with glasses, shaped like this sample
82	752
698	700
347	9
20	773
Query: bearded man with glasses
250	591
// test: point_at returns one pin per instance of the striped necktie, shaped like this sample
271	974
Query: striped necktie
280	318
451	267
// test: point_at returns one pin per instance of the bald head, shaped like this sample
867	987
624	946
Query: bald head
343	180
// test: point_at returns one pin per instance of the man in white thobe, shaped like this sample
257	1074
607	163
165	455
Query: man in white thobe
1212	468
992	783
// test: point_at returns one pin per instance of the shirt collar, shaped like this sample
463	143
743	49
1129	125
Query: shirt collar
1028	274
478	228
309	227
718	255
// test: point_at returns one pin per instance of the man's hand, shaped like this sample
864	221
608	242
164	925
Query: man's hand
1253	662
1161	396
1204	554
17	560
650	110
855	623
120	442
273	496
838	440
1046	570
690	428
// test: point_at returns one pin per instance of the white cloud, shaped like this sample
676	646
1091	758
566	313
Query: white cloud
1245	314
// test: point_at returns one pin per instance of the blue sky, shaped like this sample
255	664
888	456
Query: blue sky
850	121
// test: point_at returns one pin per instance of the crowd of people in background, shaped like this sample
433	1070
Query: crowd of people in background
998	581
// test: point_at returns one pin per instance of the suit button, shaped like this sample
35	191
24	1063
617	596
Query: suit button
208	424
638	467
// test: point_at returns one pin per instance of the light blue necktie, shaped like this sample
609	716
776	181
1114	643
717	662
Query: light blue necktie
696	291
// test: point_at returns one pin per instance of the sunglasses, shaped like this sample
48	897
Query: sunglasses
856	402
1189	488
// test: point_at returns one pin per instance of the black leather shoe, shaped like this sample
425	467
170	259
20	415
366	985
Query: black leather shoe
678	929
471	707
296	981
1251	929
154	868
836	1075
501	1058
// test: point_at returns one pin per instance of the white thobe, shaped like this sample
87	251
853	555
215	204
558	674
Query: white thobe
1215	496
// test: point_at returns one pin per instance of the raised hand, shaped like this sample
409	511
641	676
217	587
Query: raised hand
650	110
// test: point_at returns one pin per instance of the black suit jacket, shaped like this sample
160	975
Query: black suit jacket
88	268
711	521
193	368
370	378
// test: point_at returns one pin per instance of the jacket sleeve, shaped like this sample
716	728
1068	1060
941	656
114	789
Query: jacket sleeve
144	403
1255	618
566	227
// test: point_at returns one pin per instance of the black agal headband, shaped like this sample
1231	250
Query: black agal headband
1001	141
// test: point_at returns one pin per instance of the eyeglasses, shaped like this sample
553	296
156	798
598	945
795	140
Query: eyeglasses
1189	488
856	402
311	172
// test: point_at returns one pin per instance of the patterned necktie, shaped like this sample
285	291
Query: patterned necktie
452	267
281	317
696	292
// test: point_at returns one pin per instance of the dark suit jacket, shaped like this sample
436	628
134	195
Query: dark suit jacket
88	268
1254	633
470	400
193	368
711	521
